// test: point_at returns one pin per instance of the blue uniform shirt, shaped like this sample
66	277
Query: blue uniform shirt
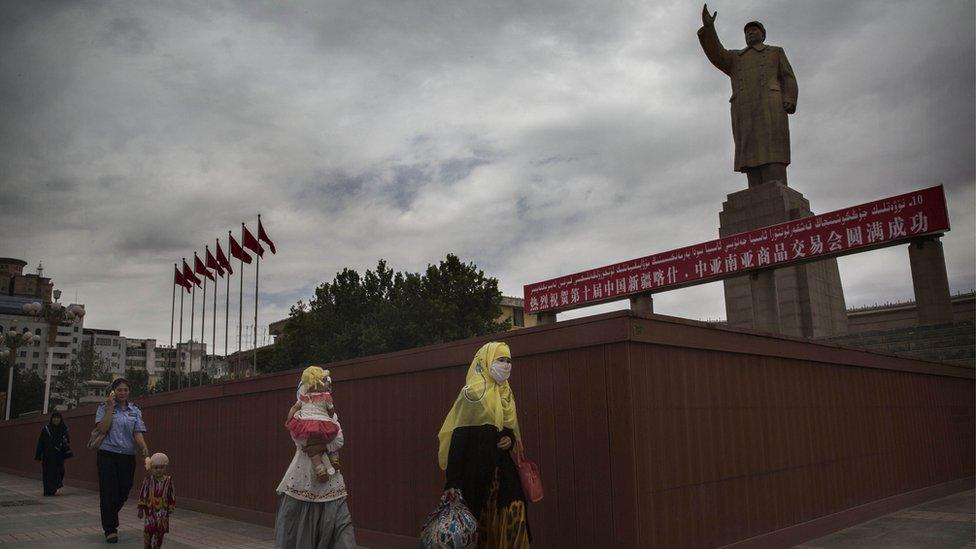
125	423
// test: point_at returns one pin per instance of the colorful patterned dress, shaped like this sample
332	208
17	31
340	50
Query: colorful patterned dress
156	500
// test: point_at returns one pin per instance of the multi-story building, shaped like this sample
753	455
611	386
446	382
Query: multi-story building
110	346
18	289
13	281
140	354
191	356
513	308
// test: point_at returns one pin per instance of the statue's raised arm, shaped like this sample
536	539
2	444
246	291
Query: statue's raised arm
716	53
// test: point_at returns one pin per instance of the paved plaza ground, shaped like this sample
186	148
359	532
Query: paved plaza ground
30	521
943	523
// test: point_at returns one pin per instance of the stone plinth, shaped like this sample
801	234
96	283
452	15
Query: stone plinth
930	281
809	297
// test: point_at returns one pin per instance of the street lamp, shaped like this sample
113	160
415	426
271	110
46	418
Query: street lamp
54	314
12	340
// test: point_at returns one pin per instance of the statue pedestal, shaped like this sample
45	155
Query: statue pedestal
809	299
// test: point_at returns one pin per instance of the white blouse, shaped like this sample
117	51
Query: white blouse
300	481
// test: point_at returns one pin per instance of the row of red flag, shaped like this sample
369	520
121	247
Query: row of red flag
219	264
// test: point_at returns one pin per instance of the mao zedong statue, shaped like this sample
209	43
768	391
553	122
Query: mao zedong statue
763	94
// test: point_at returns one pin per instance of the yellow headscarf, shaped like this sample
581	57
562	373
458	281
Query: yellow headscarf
482	401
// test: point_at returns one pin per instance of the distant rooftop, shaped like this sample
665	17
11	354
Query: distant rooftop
962	296
98	331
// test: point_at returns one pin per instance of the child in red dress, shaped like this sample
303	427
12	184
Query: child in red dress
310	419
156	501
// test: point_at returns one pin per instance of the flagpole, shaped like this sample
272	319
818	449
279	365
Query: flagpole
193	297
172	318
240	308
227	306
203	330
257	272
179	355
213	338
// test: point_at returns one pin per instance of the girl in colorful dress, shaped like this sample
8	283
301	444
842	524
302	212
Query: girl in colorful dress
311	418
156	501
475	440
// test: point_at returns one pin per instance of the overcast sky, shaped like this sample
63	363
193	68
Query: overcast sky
535	139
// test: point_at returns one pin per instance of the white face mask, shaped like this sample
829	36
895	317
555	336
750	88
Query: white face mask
500	371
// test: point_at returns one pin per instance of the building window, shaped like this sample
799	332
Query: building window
76	329
37	354
518	316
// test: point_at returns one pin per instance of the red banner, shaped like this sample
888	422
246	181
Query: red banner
873	225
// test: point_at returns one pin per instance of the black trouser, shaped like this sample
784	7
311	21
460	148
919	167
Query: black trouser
115	473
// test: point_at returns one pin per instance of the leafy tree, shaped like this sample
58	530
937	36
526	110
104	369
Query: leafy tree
87	365
169	381
383	311
138	382
28	391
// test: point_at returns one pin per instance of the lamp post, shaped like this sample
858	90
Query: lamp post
54	314
12	340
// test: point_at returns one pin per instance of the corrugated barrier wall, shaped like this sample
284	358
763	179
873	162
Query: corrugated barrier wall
649	431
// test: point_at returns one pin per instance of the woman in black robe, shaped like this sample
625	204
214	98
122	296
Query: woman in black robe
476	438
52	450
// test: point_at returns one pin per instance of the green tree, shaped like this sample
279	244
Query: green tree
169	381
138	382
28	392
87	365
383	311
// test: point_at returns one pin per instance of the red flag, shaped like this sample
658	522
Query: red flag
212	264
179	280
263	236
222	259
200	268
252	243
237	252
188	275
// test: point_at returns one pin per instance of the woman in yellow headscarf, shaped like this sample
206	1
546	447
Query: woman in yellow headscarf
475	440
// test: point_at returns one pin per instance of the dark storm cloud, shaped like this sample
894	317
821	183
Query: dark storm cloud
534	139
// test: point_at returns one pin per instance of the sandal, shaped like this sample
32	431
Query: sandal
112	537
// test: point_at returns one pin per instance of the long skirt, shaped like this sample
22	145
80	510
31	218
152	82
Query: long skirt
52	473
505	528
306	525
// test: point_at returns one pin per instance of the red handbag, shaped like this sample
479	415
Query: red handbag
529	475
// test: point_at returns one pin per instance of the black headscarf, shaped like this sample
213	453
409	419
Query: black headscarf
57	431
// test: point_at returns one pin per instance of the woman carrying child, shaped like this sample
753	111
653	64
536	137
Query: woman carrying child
312	512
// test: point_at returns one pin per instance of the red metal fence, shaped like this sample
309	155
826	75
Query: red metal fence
649	431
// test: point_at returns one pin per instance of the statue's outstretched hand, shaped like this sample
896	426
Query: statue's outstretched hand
708	20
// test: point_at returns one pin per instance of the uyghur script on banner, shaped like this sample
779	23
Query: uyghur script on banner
860	228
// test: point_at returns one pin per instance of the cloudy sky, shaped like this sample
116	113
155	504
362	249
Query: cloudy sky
533	138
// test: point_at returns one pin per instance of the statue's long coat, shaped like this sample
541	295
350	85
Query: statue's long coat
761	80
